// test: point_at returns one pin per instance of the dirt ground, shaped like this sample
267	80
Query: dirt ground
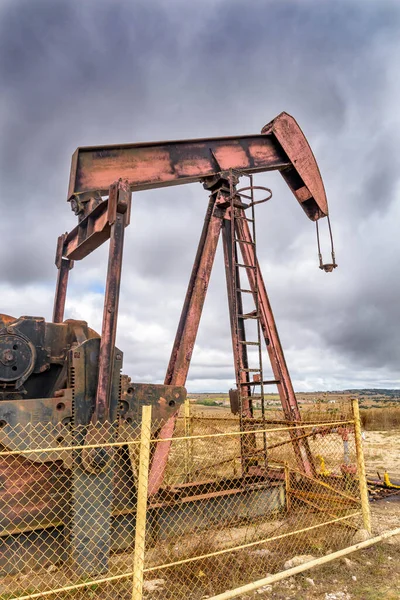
382	451
371	574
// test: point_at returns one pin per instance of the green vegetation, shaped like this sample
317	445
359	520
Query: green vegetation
208	402
389	394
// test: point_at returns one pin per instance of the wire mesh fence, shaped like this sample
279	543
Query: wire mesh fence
235	500
68	510
240	503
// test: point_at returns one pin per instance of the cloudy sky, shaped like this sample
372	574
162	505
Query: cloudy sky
92	72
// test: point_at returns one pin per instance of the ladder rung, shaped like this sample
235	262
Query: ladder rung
247	291
248	316
269	382
249	343
244	241
249	371
245	219
245	266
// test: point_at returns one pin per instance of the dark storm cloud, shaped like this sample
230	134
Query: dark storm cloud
97	72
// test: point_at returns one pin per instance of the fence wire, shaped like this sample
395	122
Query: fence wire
77	520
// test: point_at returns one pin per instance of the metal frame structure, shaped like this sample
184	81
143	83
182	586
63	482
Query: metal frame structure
217	162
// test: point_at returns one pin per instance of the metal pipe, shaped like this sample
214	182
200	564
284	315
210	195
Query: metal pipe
175	439
141	506
362	477
287	486
255	585
180	336
188	442
61	290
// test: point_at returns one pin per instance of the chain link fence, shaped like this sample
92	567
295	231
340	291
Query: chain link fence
238	500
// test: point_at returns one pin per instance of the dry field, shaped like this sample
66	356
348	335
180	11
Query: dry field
372	574
378	419
382	452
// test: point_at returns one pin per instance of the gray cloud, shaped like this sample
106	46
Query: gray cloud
97	72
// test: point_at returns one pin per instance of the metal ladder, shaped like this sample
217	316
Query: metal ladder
247	377
239	237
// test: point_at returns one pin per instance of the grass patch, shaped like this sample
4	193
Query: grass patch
378	419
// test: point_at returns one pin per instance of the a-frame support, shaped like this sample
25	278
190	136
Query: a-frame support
132	167
188	326
218	218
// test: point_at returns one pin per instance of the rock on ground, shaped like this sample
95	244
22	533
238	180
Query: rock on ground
298	560
153	584
261	552
264	589
349	563
361	535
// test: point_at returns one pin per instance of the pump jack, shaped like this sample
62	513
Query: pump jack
62	373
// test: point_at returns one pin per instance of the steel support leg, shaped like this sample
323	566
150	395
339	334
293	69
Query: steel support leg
93	469
119	202
187	331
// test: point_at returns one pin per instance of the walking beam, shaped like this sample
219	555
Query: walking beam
282	146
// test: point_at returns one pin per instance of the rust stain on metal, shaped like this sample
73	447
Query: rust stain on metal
63	375
289	135
281	146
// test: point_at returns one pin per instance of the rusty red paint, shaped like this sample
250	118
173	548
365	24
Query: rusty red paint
160	164
186	334
61	290
111	300
288	134
238	334
273	343
281	146
239	351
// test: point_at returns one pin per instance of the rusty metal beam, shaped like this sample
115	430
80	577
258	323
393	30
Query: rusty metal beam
282	146
89	234
185	338
93	229
120	196
61	290
64	265
187	330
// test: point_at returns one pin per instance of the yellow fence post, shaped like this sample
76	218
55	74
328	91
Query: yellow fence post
141	506
287	486
188	442
361	467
